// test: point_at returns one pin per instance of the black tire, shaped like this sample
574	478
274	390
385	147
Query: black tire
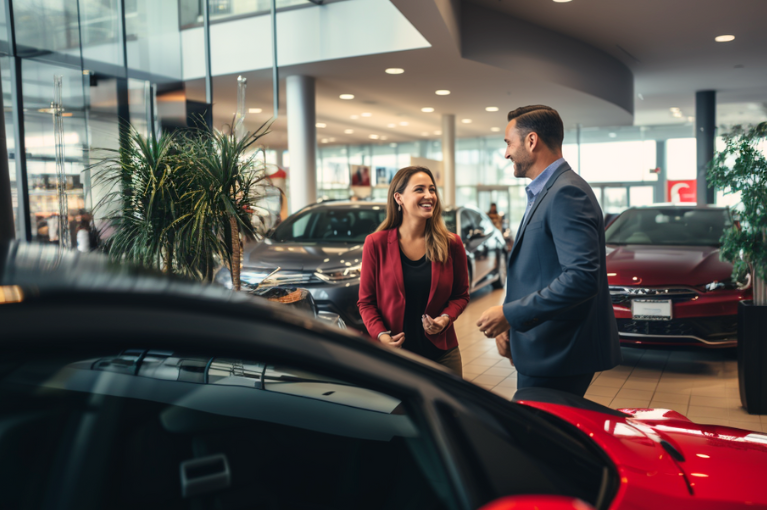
500	283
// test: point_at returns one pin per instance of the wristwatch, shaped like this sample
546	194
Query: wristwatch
383	333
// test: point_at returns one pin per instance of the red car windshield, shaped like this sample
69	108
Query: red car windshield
669	226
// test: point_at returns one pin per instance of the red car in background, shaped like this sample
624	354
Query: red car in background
667	283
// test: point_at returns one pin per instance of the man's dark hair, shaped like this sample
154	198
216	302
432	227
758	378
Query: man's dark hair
543	120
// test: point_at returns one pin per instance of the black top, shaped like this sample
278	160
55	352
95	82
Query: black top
417	277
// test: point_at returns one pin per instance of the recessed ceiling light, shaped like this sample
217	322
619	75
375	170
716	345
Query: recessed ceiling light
495	129
331	139
403	123
324	140
438	133
466	121
491	109
373	137
367	114
355	116
254	110
425	133
427	110
677	114
321	125
562	1
724	38
348	131
346	96
690	119
395	70
392	125
675	109
442	92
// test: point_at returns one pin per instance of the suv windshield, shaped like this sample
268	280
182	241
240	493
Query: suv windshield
669	226
331	224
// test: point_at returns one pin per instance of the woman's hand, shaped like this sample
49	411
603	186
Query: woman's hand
435	326
393	341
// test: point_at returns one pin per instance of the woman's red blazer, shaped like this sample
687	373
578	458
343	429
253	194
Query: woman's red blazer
382	290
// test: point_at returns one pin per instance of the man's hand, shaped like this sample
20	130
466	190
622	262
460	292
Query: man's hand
493	323
502	343
434	326
393	341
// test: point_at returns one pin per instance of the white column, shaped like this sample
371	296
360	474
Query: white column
448	159
302	141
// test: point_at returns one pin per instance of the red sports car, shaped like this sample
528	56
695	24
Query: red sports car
667	283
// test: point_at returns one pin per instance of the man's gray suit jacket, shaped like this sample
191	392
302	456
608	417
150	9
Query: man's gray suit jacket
557	299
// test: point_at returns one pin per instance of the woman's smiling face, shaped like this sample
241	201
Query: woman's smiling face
420	196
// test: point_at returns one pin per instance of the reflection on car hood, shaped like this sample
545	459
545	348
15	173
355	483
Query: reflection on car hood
300	257
665	265
721	465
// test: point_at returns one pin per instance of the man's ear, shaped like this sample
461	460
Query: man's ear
532	140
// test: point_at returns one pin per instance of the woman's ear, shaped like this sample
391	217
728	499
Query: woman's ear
397	198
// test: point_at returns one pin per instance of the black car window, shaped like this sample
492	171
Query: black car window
330	224
468	223
449	217
515	455
154	429
680	226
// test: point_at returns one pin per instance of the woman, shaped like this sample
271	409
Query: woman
414	281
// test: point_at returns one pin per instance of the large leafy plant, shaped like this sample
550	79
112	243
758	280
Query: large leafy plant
182	202
741	167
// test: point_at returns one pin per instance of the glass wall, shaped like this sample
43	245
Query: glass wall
191	10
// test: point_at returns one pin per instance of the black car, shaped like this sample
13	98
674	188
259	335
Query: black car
124	391
320	248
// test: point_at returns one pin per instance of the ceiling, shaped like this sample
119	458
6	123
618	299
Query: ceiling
669	46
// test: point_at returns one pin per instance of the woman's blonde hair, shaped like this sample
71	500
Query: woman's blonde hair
438	237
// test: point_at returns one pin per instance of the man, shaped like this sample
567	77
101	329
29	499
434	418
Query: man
556	324
495	217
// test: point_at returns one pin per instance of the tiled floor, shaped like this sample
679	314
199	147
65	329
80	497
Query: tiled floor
700	384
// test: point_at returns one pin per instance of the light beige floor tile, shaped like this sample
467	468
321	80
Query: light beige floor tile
640	384
491	380
505	392
502	371
488	387
680	408
621	403
601	391
509	382
710	390
707	412
676	398
605	401
644	373
634	394
504	362
740	414
468	368
697	400
484	361
679	389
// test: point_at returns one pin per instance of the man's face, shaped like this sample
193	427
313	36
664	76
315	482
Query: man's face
516	151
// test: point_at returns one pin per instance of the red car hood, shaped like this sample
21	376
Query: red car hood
723	467
665	265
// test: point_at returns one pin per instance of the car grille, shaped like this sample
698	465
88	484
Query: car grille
626	294
295	278
711	329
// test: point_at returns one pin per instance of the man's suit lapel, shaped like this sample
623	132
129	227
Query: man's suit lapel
538	200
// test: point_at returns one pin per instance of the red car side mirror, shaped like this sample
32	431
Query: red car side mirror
537	503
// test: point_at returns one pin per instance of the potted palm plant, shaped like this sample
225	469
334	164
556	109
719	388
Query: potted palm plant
741	167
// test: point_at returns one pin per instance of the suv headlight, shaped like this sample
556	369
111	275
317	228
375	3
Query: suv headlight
340	274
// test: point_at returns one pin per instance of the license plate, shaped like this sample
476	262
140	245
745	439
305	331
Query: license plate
651	309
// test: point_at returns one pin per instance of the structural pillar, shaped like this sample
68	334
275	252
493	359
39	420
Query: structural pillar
302	141
448	159
659	196
705	131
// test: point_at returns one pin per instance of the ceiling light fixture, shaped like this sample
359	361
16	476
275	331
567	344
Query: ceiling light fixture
425	133
442	92
373	137
254	110
347	97
395	70
491	109
438	133
348	131
324	140
392	125
403	123
355	117
384	138
690	119
675	109
562	1
321	125
331	139
427	109
495	129
466	121
724	38
367	114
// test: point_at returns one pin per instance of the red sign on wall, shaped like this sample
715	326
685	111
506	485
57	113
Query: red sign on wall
682	191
